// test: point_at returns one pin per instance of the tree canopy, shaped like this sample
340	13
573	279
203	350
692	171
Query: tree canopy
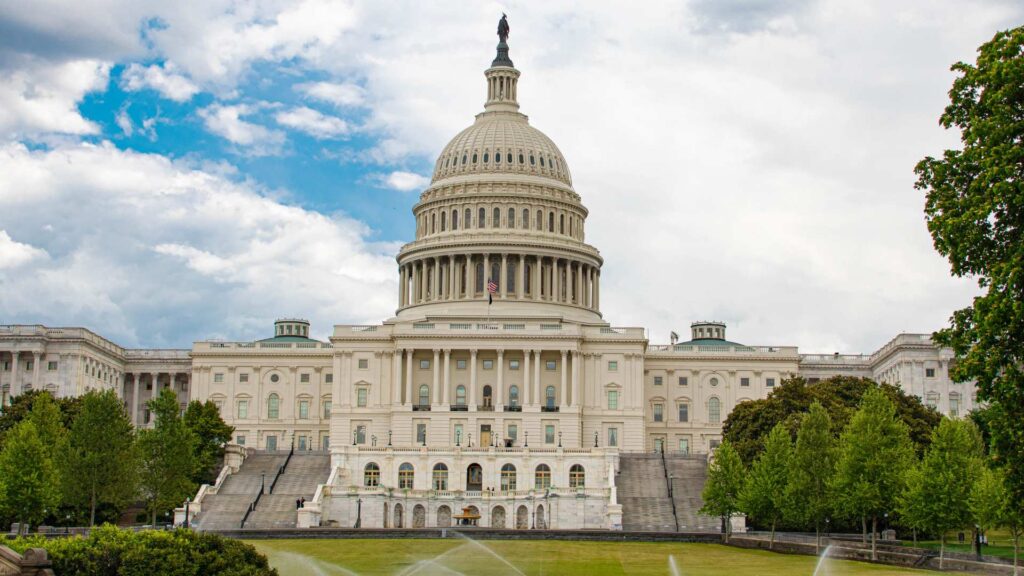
167	457
812	466
211	434
764	493
28	485
724	483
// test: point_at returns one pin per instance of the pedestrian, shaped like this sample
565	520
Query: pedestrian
298	503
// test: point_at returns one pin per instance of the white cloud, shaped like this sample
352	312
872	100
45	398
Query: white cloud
164	79
312	122
404	181
341	94
146	250
43	97
124	122
226	122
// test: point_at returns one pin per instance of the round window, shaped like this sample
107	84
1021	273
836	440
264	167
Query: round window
275	378
714	381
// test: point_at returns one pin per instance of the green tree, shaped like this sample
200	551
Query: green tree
28	486
764	493
975	213
992	507
211	433
722	489
874	453
22	404
101	455
940	496
168	460
814	462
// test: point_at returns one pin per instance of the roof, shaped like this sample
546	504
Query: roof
710	342
288	339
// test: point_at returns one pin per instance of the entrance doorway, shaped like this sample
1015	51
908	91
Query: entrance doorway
474	478
271	443
485	434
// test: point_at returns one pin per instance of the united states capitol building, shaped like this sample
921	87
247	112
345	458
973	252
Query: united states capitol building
498	387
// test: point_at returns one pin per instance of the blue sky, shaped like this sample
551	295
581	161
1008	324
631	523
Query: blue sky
171	172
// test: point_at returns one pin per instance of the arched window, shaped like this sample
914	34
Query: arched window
510	276
561	223
463	159
406	474
526	219
467	221
440	477
424	395
371	475
455	161
551	221
508	478
460	395
549	396
497	218
481	219
487	157
513	395
509	157
521	159
714	411
487	395
497	157
541	161
479	276
542	477
433	222
533	160
511	218
443	215
577	476
273	407
455	219
540	219
474	157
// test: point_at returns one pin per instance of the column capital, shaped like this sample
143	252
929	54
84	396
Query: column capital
473	351
447	351
501	352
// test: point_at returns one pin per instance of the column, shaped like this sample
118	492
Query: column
452	284
535	278
423	280
408	376
447	376
401	286
501	380
524	397
15	374
535	394
472	378
135	399
503	277
435	391
575	379
557	271
590	287
579	287
487	271
36	384
597	289
564	390
521	278
435	280
470	277
396	374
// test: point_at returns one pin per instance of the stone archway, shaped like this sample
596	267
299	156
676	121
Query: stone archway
541	521
419	516
522	518
474	478
398	516
444	516
498	517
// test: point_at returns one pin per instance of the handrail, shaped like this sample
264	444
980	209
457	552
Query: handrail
671	496
254	503
281	469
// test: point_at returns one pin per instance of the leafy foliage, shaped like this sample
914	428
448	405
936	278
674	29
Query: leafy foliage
725	481
211	433
808	497
992	507
975	213
764	494
22	404
28	484
167	457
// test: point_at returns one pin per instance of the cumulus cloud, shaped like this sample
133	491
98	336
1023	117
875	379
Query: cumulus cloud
226	121
164	79
403	181
341	94
161	250
312	122
43	97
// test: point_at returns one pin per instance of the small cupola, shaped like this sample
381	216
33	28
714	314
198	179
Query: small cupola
291	327
708	330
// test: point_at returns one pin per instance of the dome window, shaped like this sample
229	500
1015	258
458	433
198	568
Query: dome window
446	162
482	219
532	160
463	159
509	158
474	157
486	158
497	157
541	161
521	159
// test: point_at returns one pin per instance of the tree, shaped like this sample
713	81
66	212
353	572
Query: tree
875	451
101	456
723	486
168	460
912	502
22	404
211	433
975	214
813	464
992	507
948	473
764	494
28	486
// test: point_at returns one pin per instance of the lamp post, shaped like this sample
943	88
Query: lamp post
389	437
458	437
187	502
526	439
559	438
595	438
827	521
373	440
359	513
469	440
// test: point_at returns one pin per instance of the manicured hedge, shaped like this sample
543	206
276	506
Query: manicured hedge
108	551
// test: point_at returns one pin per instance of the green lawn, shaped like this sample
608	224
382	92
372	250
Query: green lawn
452	557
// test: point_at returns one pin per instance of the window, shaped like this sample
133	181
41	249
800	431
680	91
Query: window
364	363
508	478
488	364
769	382
273	407
51	365
613	436
513	395
444	221
714	411
549	396
540	219
714	382
440	477
243	409
511	217
458	433
240	440
929	372
405	476
327	408
659	412
360	434
551	221
613	365
542	477
455	219
931	399
7	366
613	399
550	365
684	412
481	219
29	366
371	475
361	398
421	433
526	218
460	364
274	378
218	377
744	381
304	378
509	157
684	381
657	380
460	395
424	395
303	409
577	476
513	364
513	432
243	378
954	405
487	157
549	433
497	218
684	446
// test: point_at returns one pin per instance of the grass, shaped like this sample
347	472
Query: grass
536	557
1000	544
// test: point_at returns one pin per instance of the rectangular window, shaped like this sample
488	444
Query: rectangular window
304	378
488	364
683	381
929	372
361	398
7	366
954	407
303	409
218	377
613	436
364	363
149	385
613	365
243	378
51	365
684	446
28	365
240	440
243	409
549	433
458	434
327	408
421	433
424	364
714	443
769	382
460	364
684	412
513	364
659	412
744	381
328	378
613	399
513	432
550	365
657	380
145	416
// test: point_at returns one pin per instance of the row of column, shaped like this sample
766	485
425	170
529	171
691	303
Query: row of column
529	385
17	384
154	379
520	276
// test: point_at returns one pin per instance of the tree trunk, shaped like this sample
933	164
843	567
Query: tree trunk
863	530
874	531
942	548
1016	546
915	537
153	517
771	542
92	507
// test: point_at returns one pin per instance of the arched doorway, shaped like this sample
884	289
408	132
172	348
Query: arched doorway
522	518
474	478
540	522
498	517
488	402
398	516
444	517
419	516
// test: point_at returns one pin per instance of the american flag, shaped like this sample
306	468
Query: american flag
492	288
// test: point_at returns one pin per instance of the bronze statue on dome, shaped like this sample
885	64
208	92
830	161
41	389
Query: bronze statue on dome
503	28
